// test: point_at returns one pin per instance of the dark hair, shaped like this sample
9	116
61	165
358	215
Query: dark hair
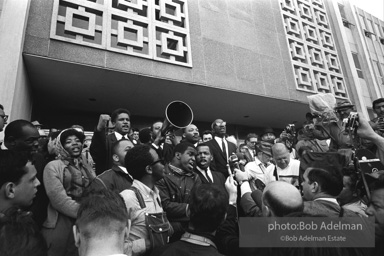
117	112
204	145
137	159
19	235
182	147
1	107
71	132
12	165
280	208
379	100
145	135
15	129
100	208
135	130
251	135
207	132
208	205
330	180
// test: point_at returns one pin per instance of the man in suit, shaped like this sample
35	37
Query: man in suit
250	152
321	186
221	148
117	178
203	161
101	146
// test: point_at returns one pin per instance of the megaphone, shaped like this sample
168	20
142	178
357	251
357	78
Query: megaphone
177	115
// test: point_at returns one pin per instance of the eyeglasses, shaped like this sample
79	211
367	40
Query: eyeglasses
5	117
221	124
158	161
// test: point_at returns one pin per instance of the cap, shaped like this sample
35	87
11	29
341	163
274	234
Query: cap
268	130
344	104
265	147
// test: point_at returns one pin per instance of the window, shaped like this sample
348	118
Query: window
357	65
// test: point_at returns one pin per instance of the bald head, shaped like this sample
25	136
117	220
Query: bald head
281	155
282	199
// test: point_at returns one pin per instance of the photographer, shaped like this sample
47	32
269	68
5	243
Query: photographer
378	122
335	130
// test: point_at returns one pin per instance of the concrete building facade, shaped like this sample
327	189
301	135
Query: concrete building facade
251	63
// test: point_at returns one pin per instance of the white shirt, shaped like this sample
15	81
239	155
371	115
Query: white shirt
220	142
255	171
120	136
125	171
289	174
205	173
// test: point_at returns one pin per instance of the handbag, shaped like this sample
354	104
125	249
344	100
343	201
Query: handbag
158	226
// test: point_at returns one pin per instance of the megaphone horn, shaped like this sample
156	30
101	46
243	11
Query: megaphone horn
177	114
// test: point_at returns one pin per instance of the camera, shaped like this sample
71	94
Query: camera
290	129
351	122
380	121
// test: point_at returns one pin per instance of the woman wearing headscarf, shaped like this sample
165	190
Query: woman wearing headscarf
65	180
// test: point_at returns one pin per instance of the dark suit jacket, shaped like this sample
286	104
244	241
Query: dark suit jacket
101	150
218	178
114	179
219	162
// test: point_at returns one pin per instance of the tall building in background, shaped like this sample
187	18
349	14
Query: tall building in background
252	62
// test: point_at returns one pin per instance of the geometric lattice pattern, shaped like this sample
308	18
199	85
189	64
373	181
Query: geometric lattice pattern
314	57
153	29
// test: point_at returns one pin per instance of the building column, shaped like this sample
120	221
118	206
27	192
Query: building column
15	92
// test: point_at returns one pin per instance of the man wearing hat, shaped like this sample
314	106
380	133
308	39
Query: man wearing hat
268	135
256	169
335	130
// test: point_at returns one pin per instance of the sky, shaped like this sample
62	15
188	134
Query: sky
374	7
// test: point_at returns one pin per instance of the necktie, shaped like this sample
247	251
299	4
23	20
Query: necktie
208	178
123	138
224	148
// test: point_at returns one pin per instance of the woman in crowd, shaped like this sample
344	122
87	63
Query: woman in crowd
65	180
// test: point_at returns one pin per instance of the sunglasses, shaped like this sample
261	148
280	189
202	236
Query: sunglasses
221	124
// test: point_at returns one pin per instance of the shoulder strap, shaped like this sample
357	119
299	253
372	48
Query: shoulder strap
101	181
139	197
275	173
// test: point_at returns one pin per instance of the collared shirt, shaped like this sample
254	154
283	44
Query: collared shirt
333	200
180	171
256	170
125	171
289	174
220	142
205	173
152	201
120	136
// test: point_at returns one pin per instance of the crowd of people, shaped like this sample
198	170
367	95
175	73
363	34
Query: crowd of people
126	191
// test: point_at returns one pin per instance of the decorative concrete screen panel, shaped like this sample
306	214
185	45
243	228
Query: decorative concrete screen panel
153	29
314	58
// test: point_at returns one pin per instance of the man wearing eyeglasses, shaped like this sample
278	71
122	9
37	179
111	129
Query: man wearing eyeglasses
145	166
251	141
3	118
221	148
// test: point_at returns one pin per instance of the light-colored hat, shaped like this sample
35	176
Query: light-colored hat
344	104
